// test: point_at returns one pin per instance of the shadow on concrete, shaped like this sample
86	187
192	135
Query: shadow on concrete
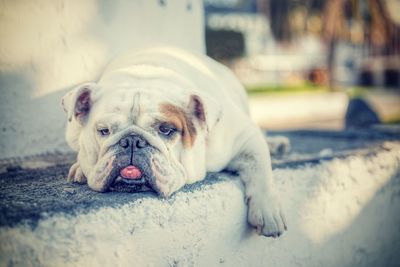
370	235
29	125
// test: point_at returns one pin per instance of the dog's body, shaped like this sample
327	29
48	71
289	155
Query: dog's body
165	117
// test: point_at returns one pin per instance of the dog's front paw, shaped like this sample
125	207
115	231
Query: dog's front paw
265	214
75	174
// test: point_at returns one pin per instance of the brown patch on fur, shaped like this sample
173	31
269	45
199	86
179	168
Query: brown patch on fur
178	117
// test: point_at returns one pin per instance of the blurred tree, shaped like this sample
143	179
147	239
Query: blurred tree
382	31
279	19
380	34
333	25
365	23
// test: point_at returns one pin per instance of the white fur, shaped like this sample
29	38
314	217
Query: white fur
228	140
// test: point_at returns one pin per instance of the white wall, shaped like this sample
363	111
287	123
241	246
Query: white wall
49	46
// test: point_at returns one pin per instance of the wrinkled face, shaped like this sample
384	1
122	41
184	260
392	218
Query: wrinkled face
134	139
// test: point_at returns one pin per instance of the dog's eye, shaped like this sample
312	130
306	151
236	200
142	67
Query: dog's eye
104	131
167	129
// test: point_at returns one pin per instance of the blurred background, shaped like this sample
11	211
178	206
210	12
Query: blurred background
311	63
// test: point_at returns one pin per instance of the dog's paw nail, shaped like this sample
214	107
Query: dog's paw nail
268	220
259	229
75	174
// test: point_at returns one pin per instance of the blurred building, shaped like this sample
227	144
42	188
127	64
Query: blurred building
281	42
234	28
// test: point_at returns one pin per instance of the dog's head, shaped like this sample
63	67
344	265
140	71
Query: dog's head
137	136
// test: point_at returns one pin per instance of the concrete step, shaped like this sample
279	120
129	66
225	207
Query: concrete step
340	192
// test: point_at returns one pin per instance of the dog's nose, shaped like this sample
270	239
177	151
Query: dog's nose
135	141
139	142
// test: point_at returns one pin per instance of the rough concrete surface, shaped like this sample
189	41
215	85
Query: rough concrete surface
340	190
39	185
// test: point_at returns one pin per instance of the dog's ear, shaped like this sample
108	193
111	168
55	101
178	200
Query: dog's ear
206	110
78	102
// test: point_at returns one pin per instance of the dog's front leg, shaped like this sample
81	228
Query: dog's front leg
76	175
253	164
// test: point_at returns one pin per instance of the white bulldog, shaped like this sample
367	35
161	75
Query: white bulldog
163	118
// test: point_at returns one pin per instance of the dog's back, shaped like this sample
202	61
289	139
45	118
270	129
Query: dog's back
197	69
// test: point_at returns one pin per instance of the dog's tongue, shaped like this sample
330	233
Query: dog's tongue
131	172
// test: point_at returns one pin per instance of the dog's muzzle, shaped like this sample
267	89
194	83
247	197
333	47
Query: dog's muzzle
134	141
133	173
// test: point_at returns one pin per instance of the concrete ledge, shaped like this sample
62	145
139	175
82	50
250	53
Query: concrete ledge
341	202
